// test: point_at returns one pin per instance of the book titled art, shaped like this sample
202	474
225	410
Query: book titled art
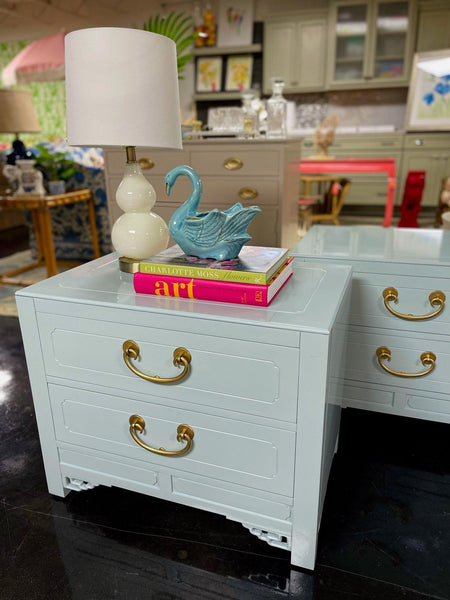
207	289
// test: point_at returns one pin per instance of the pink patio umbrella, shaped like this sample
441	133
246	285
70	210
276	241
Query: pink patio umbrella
42	60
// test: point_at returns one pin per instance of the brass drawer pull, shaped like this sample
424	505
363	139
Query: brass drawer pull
428	359
146	163
436	298
184	434
233	164
181	357
248	193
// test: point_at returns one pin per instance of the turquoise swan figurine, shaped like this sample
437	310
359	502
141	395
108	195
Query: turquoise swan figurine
218	234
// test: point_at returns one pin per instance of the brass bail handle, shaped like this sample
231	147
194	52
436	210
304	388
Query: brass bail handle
428	359
436	298
181	358
184	434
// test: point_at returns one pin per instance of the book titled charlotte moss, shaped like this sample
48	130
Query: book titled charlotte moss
218	291
255	265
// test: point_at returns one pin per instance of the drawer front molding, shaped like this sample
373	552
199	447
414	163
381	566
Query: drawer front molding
243	453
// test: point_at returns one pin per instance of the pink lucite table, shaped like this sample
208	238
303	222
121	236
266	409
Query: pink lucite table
358	165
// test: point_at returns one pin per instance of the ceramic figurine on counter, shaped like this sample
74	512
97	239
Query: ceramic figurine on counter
213	234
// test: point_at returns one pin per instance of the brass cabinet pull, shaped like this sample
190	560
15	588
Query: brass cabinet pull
233	164
436	298
181	357
428	359
146	163
248	193
184	434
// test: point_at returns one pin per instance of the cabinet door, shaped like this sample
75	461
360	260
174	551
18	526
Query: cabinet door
433	164
350	30
310	55
390	61
434	30
279	50
296	51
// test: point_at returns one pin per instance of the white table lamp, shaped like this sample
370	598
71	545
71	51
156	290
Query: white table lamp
122	90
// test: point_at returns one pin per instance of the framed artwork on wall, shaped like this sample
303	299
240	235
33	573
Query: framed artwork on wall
209	74
239	72
428	106
235	23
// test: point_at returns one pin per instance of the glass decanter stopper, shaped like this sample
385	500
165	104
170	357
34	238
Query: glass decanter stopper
276	110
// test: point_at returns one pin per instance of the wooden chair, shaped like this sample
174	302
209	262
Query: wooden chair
323	206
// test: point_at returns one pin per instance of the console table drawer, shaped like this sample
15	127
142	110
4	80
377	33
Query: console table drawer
228	374
224	449
405	357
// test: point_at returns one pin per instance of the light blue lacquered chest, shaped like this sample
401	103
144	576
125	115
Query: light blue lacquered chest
398	358
228	408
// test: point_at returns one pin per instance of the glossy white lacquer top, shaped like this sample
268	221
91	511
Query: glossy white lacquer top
309	301
376	243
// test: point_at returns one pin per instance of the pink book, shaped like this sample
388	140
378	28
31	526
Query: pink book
207	289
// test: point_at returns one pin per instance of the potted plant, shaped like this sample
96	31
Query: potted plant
179	28
56	168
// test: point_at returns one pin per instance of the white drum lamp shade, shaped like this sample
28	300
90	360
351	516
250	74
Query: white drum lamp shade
122	90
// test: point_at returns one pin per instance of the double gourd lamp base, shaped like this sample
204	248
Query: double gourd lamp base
138	233
122	90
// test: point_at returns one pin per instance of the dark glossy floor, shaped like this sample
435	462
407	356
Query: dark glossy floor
385	531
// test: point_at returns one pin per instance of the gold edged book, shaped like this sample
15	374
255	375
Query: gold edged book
255	264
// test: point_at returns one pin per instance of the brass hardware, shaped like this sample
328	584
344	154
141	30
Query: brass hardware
128	265
428	359
184	434
436	298
131	153
146	163
233	164
248	193
181	357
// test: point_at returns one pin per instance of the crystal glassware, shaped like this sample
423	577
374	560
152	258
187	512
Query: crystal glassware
276	110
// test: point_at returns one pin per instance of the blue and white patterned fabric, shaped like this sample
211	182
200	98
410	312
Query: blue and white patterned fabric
70	224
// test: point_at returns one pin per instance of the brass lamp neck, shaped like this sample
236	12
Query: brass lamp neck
131	153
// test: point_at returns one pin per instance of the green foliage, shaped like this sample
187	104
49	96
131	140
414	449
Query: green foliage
55	165
180	29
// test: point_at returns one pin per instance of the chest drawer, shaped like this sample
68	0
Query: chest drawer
244	377
236	162
374	294
242	453
405	353
180	191
249	191
152	162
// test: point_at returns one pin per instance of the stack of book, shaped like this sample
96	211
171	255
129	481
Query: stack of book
255	277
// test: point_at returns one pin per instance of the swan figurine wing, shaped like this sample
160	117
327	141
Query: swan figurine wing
203	230
218	234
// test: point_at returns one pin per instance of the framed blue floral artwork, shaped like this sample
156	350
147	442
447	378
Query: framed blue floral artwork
428	106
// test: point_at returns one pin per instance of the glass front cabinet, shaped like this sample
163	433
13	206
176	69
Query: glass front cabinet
372	43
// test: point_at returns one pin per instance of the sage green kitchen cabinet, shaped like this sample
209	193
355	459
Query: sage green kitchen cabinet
371	43
433	30
295	49
429	152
